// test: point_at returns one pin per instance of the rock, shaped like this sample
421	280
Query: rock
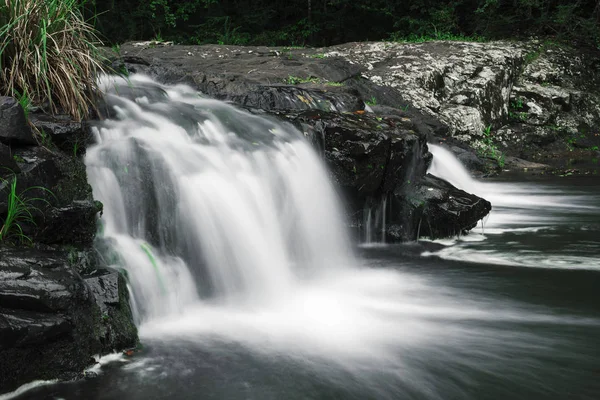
105	288
466	85
368	156
258	77
69	136
112	297
8	166
436	209
67	212
371	156
50	323
13	124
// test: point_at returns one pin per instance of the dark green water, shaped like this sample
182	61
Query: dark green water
510	312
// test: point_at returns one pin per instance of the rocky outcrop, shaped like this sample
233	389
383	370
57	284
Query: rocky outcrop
53	320
501	101
59	306
534	100
372	137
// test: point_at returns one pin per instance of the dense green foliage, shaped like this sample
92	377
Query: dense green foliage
325	22
48	55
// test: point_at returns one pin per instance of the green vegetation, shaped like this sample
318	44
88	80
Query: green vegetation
19	211
48	55
517	110
488	149
371	102
301	23
336	84
294	80
429	37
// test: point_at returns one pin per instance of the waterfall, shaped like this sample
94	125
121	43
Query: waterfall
206	202
374	222
445	165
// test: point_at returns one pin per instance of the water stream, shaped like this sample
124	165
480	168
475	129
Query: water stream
246	286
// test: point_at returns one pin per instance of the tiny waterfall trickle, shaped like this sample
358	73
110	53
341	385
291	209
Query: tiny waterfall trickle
445	165
374	222
202	200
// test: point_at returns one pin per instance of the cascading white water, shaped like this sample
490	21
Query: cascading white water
205	200
514	196
516	209
374	223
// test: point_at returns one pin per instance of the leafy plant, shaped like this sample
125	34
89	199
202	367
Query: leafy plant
44	138
336	84
435	36
48	52
25	102
487	148
294	80
372	101
19	211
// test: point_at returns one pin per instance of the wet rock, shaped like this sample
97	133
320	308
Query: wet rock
69	136
64	210
8	166
112	297
13	125
50	322
367	155
258	77
434	208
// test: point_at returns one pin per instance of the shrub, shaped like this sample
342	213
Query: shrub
48	54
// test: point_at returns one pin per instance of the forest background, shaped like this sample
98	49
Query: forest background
326	22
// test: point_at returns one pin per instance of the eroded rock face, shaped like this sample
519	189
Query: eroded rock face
51	324
555	106
465	85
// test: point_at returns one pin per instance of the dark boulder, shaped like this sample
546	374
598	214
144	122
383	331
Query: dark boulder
13	124
110	292
50	323
436	209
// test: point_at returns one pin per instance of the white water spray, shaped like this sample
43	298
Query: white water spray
204	200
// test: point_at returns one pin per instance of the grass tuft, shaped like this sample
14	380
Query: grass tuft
48	52
19	211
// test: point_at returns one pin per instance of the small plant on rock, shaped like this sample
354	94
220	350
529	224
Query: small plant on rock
488	149
20	211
